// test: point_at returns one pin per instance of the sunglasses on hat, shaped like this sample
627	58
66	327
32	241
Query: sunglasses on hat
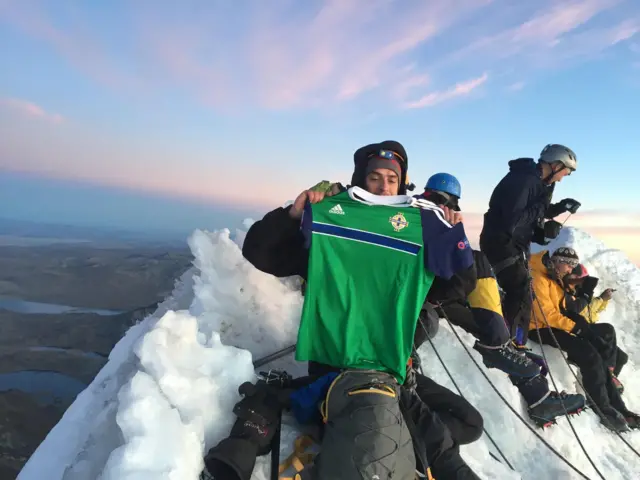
389	155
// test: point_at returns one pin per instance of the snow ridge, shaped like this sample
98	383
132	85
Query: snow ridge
164	397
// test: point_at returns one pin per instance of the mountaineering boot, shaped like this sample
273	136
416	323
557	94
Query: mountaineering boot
507	359
633	420
617	383
613	420
534	357
545	412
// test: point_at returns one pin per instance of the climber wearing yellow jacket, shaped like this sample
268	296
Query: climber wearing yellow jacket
551	321
579	287
486	306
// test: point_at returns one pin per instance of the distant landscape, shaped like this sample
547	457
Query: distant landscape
67	295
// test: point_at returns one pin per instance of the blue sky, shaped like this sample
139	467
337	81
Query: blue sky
244	104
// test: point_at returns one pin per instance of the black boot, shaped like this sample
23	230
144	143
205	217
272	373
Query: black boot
545	413
633	419
613	420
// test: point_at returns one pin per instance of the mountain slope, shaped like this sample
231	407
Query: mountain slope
166	394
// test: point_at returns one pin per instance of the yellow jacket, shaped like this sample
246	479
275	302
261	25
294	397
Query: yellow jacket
593	311
486	295
549	295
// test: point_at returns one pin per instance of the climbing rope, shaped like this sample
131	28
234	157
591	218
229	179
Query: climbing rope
484	429
553	381
495	389
555	340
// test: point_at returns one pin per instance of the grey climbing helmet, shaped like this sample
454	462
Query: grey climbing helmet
553	153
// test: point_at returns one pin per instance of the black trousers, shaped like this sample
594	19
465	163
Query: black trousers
443	421
593	358
514	281
612	355
487	327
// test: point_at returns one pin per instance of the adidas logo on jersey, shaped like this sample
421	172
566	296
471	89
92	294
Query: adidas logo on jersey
337	210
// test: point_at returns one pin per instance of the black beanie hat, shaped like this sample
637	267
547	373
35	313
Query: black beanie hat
566	255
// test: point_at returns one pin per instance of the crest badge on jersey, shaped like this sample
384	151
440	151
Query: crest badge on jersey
398	222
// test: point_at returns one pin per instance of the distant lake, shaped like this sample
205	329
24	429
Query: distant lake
22	306
67	350
46	386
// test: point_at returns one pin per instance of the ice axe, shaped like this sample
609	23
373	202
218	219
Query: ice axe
274	356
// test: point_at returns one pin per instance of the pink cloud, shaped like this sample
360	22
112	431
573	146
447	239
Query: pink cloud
298	55
30	109
458	90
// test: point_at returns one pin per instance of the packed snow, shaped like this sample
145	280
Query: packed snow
165	395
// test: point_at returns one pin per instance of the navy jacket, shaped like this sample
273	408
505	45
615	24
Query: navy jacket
517	207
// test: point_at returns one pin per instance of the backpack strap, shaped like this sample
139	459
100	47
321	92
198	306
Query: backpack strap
299	458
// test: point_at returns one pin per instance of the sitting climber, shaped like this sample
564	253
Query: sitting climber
581	299
353	247
551	323
494	343
480	314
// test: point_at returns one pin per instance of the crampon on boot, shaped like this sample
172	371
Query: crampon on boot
544	414
613	420
507	359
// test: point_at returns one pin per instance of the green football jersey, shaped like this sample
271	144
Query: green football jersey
366	281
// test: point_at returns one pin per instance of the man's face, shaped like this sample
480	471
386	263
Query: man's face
382	181
563	269
560	174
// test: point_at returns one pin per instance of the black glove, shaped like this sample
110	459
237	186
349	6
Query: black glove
570	205
258	419
581	327
538	236
552	229
258	414
565	205
231	459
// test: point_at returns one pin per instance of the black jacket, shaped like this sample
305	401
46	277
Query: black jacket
275	245
517	207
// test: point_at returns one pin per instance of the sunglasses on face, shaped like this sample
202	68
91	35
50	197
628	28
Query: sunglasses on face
443	198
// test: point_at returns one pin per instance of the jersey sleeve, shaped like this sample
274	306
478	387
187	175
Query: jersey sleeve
306	225
447	248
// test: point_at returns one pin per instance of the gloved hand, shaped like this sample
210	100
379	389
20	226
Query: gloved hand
570	205
538	236
552	229
258	417
607	294
564	205
581	327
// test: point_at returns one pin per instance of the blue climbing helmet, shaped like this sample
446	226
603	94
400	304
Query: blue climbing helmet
444	182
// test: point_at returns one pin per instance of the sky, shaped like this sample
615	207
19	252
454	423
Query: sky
175	108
